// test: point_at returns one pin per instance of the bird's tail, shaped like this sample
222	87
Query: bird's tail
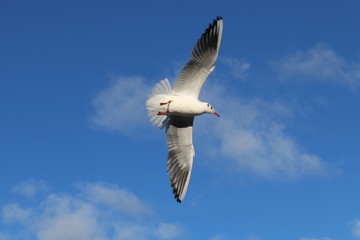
159	94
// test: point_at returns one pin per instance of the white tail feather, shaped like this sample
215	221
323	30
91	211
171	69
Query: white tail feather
161	88
159	94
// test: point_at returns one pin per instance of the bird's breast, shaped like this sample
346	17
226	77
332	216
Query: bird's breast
185	106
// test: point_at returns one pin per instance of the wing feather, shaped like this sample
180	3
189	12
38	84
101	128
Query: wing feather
180	154
202	61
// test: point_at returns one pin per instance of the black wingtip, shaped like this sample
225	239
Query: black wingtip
176	196
218	18
213	24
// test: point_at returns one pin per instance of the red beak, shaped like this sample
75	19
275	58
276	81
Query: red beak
216	114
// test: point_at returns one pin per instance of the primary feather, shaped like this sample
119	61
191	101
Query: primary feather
201	62
181	154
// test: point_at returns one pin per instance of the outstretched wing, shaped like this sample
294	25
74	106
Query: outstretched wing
180	155
202	61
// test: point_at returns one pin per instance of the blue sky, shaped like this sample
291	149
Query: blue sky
80	159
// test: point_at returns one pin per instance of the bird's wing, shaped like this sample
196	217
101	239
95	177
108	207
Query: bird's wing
181	154
202	61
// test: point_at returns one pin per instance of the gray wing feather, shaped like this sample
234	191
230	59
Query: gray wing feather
180	155
202	61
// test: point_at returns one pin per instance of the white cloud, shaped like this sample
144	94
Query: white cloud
237	68
14	213
320	63
131	231
253	135
321	238
65	217
116	198
168	231
356	228
84	216
218	237
30	188
121	107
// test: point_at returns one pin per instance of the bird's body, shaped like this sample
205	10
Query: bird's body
181	106
175	108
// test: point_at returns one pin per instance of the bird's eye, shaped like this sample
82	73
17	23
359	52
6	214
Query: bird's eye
211	107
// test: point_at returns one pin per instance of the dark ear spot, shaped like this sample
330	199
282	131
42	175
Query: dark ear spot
208	105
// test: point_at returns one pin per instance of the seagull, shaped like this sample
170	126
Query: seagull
175	108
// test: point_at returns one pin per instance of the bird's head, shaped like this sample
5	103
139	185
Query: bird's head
210	109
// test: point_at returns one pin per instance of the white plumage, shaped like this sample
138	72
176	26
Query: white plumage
175	108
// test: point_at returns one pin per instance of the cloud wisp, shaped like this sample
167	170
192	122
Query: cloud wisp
121	106
99	211
321	238
218	237
237	69
356	228
320	63
116	198
30	188
252	134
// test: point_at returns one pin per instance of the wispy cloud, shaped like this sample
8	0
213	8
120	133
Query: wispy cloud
121	106
168	231
116	198
218	237
92	214
237	68
356	228
30	188
14	213
82	215
252	133
320	63
321	238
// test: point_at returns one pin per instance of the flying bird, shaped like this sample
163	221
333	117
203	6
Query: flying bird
175	108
